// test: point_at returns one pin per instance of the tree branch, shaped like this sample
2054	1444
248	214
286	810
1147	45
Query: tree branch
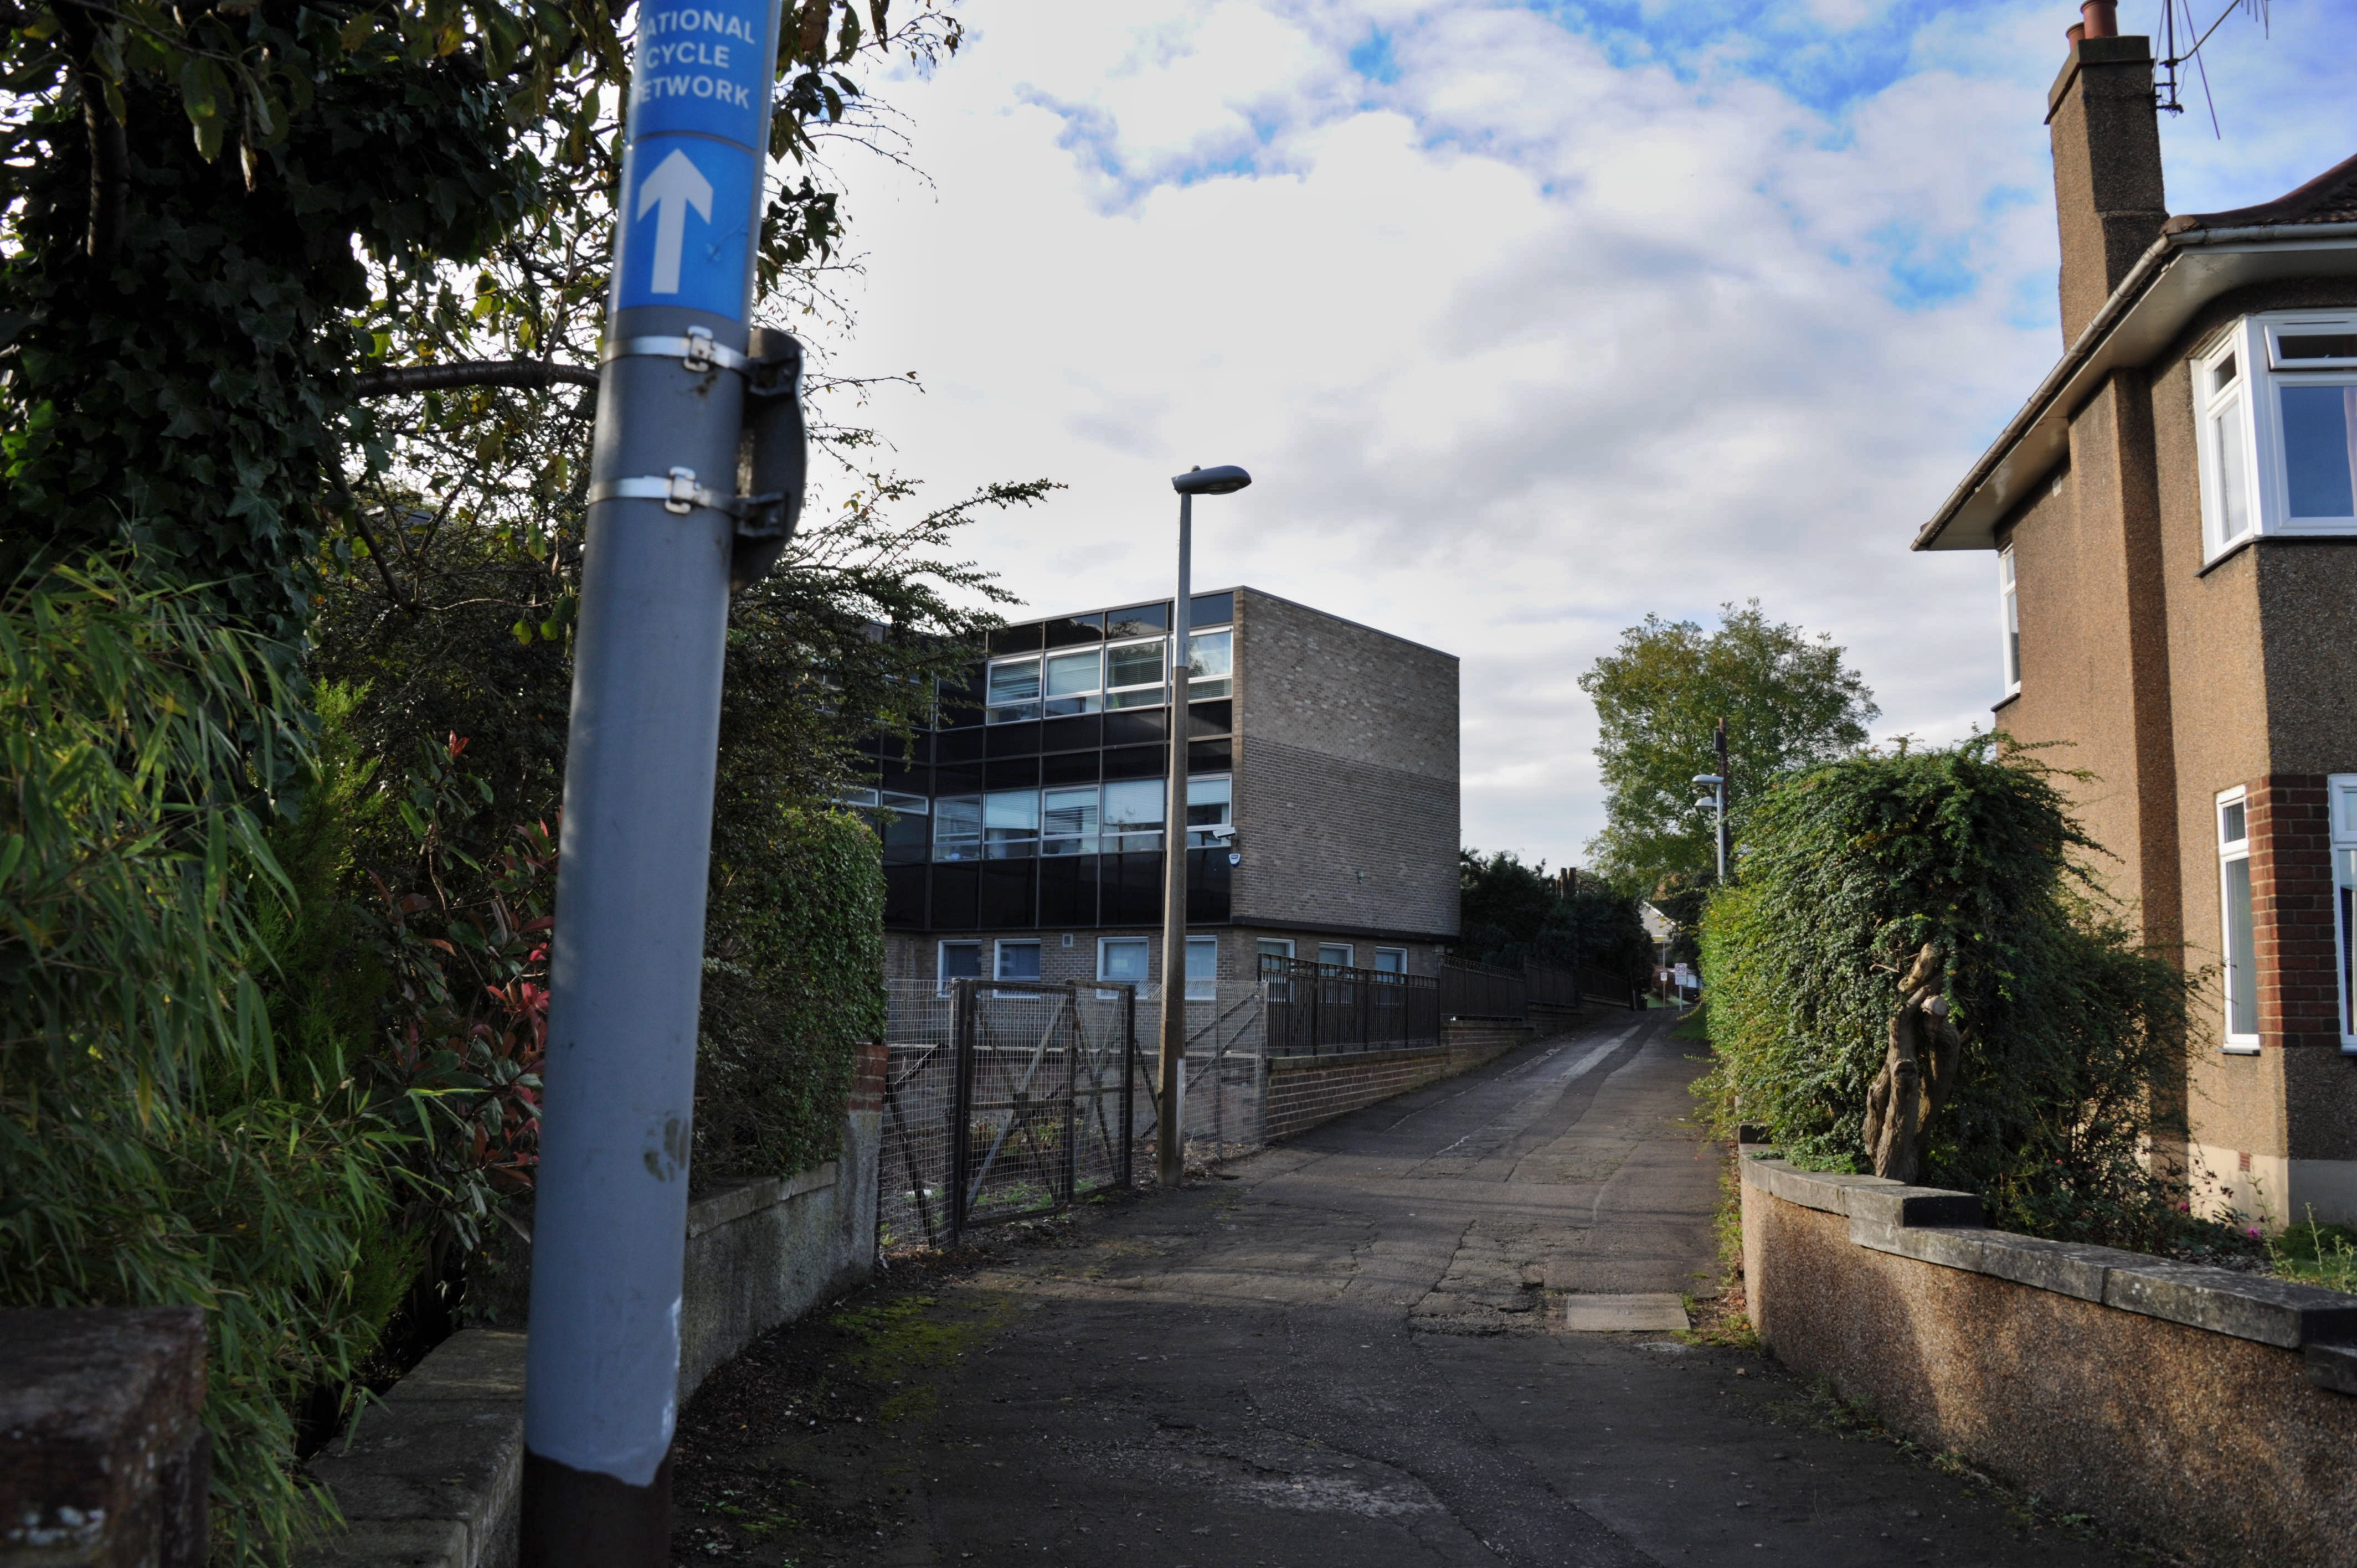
533	375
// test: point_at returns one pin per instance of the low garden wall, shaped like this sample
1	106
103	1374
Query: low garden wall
431	1479
2213	1410
1303	1091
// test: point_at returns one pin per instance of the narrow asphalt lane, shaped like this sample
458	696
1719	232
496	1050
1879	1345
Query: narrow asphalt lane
1351	1350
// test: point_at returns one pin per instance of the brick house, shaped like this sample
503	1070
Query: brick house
2176	536
1027	838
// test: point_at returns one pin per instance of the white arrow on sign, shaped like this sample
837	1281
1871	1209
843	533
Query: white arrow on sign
674	187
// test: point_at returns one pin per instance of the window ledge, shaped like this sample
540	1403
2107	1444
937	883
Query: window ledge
2229	554
2006	701
2239	1049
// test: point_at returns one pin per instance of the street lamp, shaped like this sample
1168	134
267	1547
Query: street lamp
1169	1129
1718	802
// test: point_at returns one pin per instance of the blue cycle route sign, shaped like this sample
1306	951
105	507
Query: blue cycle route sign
699	126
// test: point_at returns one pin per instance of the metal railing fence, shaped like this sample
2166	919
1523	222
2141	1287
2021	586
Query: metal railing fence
1482	990
1317	1009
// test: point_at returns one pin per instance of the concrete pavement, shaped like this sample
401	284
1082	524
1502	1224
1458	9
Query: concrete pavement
1350	1350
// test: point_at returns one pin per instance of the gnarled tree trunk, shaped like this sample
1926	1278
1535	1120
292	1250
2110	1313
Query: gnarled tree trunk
1917	1073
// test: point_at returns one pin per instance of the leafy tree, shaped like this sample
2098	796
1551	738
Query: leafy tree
2072	1034
1788	701
1512	914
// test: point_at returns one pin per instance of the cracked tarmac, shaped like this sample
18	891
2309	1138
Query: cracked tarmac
1348	1349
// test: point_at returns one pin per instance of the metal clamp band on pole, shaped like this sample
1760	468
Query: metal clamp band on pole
696	350
679	493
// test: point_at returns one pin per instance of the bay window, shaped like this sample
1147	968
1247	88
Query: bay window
2276	408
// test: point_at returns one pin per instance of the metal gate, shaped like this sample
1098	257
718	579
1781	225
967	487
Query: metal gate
1026	1104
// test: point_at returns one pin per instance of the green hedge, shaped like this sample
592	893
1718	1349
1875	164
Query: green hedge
2073	1034
793	981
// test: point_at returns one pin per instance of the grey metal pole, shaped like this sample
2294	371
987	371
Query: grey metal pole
1170	1136
1723	781
610	1218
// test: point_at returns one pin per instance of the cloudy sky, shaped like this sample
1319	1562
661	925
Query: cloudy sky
1528	319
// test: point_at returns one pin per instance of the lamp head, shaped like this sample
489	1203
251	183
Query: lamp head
1708	778
1224	481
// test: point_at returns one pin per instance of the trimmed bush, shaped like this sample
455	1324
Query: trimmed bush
2072	1034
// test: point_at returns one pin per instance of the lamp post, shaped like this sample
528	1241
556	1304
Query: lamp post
1170	1166
1718	803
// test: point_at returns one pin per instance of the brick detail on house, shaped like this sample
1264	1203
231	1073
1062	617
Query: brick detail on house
1306	1090
2291	895
867	1075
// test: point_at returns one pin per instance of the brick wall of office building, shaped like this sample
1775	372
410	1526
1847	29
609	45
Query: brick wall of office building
1346	777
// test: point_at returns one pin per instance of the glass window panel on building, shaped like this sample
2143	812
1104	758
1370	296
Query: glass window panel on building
957	827
1010	823
1122	959
1338	953
1211	663
2319	437
1133	810
1203	969
1074	682
1018	960
1134	674
2239	919
1067	822
1210	804
1014	691
957	961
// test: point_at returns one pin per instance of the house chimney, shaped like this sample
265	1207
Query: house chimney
2107	189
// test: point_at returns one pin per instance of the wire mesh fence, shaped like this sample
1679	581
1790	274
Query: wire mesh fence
1003	1099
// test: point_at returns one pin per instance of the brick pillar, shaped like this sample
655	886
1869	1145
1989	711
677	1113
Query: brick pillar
867	1075
2291	893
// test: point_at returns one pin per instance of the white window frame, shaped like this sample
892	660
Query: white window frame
1202	988
1349	954
2008	624
1400	953
2340	792
1210	685
2231	851
1273	947
941	962
2255	425
1016	712
1006	945
1134	695
1107	943
1069	704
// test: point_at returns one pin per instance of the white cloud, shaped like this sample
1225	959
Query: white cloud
1521	343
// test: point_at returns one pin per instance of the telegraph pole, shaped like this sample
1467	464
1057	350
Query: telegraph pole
667	531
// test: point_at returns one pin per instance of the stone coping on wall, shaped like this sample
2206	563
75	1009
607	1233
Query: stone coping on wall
1325	1060
736	1199
429	1476
1933	1226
